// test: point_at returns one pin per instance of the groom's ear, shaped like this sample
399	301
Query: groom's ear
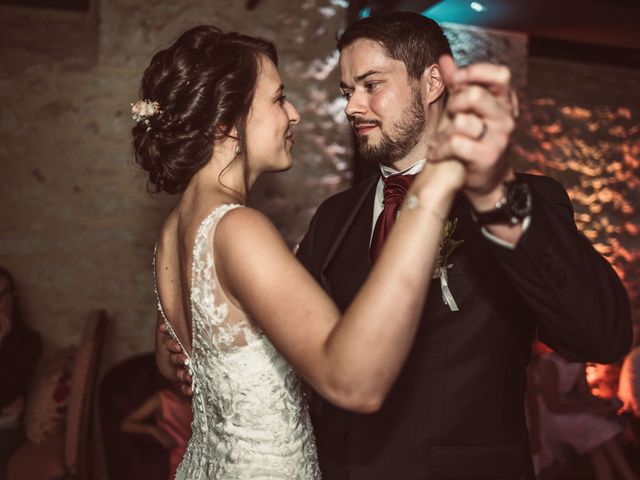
433	86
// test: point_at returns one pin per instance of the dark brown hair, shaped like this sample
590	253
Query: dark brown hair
415	40
204	84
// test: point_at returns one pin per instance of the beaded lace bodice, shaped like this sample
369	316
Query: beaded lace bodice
250	418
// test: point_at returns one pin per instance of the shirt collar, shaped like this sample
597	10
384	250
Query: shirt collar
417	167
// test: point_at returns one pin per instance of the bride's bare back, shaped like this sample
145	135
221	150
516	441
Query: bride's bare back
250	417
174	274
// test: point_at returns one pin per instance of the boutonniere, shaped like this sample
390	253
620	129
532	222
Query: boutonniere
447	247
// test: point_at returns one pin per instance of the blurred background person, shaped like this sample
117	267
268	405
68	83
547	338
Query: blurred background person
165	416
570	418
20	349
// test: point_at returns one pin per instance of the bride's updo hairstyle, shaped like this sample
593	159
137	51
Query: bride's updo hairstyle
203	85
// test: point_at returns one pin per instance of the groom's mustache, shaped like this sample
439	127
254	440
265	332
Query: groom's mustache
363	122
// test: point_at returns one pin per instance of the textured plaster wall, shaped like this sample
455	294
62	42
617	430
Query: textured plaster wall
76	226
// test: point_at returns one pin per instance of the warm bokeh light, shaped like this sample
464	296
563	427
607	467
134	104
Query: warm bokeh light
595	153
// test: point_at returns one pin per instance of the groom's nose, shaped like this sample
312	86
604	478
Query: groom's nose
356	105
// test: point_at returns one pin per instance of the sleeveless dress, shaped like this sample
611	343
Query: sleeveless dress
250	418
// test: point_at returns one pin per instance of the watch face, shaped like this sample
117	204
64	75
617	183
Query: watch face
518	199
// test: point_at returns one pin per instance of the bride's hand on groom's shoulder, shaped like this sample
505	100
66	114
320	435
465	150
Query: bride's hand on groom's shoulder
177	359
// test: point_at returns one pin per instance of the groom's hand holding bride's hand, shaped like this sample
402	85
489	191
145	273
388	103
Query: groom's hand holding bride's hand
480	117
177	359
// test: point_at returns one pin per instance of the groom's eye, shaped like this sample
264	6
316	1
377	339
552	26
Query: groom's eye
370	86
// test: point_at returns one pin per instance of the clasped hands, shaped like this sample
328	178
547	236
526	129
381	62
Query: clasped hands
476	128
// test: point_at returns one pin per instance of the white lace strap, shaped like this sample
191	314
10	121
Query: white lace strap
164	317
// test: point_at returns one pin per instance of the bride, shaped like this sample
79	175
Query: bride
250	318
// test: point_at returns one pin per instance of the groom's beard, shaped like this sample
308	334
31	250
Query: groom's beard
405	135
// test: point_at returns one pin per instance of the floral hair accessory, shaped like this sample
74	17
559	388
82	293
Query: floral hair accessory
142	110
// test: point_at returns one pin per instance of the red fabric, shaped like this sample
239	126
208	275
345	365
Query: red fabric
395	189
175	418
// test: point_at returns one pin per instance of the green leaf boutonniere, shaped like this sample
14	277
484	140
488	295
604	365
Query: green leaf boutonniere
447	247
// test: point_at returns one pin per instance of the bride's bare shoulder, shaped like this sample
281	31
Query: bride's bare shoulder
242	221
246	228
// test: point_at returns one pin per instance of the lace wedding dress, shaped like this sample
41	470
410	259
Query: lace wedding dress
250	419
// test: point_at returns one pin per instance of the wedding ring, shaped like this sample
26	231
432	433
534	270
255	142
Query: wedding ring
483	132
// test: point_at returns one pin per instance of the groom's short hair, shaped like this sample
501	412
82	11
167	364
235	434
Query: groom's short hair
413	39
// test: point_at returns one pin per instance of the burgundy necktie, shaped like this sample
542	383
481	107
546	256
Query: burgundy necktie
395	189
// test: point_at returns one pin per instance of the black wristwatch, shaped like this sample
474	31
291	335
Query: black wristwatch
511	209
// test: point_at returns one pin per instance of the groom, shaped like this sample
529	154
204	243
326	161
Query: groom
456	411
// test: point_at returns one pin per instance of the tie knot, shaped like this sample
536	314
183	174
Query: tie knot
395	188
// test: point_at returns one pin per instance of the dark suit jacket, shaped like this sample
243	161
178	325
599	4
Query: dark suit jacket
456	411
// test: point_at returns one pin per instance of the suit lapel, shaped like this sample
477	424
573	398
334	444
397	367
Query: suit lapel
347	262
362	200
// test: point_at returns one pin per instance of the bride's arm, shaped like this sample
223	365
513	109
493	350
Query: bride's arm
352	360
